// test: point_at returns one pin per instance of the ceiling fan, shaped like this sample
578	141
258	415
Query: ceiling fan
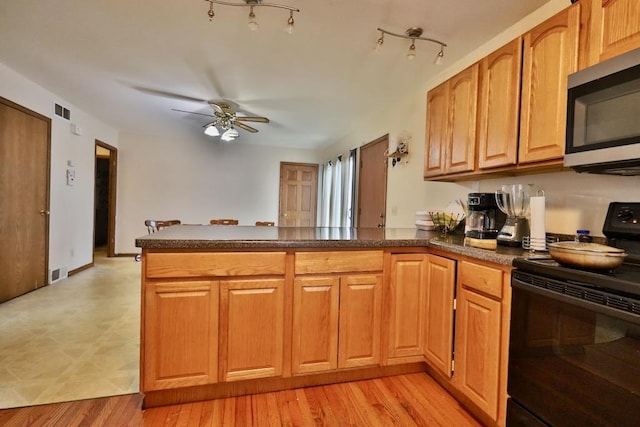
226	120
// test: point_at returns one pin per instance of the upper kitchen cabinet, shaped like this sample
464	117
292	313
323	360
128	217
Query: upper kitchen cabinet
498	106
451	125
550	55
612	28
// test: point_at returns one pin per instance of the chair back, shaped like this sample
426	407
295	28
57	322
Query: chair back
154	225
265	223
224	221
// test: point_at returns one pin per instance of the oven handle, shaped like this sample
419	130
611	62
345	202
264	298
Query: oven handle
588	305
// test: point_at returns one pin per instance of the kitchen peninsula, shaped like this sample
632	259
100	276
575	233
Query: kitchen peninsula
231	310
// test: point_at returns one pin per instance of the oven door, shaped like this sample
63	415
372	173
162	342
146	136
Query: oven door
572	362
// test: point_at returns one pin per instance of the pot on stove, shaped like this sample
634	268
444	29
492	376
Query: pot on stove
586	255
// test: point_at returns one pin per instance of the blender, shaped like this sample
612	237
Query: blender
513	200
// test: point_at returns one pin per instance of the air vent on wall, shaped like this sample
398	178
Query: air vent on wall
58	274
62	111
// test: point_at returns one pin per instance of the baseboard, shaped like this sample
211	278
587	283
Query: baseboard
81	268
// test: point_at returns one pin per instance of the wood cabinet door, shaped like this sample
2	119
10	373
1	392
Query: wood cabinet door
550	55
477	347
180	327
407	295
437	130
315	324
612	28
498	107
251	328
460	152
360	317
438	335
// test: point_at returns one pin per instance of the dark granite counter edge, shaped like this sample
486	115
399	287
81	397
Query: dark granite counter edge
455	246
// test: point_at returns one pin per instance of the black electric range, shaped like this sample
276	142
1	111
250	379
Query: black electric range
574	346
622	229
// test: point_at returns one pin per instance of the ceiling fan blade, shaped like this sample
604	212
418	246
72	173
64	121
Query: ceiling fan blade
245	127
191	112
213	123
166	94
253	119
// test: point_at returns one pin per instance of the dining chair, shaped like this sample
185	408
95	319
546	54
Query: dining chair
265	223
154	225
224	221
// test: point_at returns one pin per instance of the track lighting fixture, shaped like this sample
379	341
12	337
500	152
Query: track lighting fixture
413	34
251	4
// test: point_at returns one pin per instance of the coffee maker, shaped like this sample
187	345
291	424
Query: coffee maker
484	218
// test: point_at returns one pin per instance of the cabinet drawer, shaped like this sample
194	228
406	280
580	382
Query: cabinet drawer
338	262
481	278
163	265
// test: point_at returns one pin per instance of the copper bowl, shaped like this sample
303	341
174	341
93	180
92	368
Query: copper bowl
586	255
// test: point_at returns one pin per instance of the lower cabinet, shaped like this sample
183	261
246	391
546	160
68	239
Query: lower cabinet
251	328
481	337
421	292
336	322
180	329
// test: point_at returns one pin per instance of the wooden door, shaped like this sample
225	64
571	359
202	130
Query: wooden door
550	55
407	295
612	27
298	195
461	139
499	106
477	344
180	334
315	324
360	317
25	139
251	328
438	335
372	190
437	130
105	194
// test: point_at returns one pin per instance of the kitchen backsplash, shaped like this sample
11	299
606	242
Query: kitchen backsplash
574	200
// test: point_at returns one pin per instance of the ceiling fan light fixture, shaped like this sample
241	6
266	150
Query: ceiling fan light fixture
211	130
229	135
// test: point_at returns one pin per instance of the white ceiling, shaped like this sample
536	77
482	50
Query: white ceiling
129	62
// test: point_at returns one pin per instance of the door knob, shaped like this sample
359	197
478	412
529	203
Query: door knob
44	212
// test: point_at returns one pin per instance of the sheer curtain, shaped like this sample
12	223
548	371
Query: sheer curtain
327	180
338	192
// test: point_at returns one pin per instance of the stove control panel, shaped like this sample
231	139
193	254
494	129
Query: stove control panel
623	220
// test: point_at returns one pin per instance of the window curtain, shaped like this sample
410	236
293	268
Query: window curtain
338	192
327	180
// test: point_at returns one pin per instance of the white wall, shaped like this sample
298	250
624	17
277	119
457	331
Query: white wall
573	200
195	179
71	207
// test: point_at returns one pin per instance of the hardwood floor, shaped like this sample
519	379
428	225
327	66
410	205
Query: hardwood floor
404	400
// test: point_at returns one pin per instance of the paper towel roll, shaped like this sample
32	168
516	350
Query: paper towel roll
537	226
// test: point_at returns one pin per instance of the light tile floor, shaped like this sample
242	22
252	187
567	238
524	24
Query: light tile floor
78	338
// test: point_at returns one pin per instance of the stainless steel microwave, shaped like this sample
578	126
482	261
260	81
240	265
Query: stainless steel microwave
603	117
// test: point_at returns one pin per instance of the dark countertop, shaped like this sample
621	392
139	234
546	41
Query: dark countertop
202	237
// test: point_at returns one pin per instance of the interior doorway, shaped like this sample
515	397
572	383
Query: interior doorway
372	190
104	228
25	146
298	195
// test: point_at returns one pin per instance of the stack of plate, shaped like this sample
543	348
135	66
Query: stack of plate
423	221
